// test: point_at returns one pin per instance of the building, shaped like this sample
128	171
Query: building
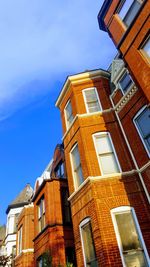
127	23
53	235
109	205
2	238
13	211
25	234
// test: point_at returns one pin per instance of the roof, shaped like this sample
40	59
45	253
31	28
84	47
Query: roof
22	199
102	14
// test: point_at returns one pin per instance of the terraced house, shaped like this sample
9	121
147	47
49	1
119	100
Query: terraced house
90	206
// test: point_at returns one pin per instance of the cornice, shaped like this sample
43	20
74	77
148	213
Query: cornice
81	77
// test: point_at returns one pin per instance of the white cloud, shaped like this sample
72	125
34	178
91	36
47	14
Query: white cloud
42	40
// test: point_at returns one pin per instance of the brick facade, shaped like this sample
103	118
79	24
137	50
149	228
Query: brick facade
25	257
56	237
99	194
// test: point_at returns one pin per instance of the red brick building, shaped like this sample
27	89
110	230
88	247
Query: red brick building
107	192
25	234
53	235
128	23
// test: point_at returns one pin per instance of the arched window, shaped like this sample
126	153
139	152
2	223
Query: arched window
87	241
130	241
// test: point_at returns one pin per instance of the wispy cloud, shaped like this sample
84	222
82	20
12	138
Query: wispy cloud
44	40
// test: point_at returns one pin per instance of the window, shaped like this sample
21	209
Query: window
146	48
91	100
68	114
15	222
20	240
129	237
106	153
39	262
88	243
125	82
76	166
128	10
14	251
142	123
65	206
59	171
41	214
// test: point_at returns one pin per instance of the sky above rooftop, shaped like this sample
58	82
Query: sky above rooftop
42	42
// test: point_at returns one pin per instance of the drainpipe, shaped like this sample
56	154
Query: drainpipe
131	153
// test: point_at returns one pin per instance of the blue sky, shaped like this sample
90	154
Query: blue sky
42	42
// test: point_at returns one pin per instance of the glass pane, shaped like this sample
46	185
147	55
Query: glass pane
109	164
103	144
143	121
76	157
146	47
125	82
125	7
79	176
90	95
68	110
135	259
88	244
133	10
69	114
127	231
94	107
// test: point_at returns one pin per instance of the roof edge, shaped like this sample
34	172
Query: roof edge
93	74
17	205
102	13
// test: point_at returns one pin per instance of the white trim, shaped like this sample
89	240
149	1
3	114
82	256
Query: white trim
113	148
108	176
123	209
29	250
86	115
136	126
85	102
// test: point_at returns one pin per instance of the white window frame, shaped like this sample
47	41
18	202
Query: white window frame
67	124
72	167
123	209
120	78
84	97
84	222
136	126
19	250
114	151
